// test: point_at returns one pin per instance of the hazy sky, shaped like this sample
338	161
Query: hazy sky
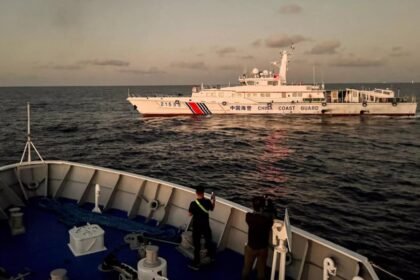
135	42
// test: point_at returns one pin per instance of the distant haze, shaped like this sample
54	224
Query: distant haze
135	42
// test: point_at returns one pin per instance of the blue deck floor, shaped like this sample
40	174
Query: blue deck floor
44	248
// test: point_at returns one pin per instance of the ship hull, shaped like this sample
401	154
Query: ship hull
167	106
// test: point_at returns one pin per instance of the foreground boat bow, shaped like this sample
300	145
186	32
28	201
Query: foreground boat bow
133	195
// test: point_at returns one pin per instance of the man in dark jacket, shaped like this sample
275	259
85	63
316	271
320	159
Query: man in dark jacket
259	226
199	210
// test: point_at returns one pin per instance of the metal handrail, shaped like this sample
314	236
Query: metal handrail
385	271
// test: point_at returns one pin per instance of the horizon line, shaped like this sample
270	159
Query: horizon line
171	85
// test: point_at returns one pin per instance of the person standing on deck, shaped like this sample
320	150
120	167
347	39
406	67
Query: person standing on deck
259	226
199	210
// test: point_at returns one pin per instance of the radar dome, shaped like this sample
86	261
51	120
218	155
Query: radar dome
255	71
265	72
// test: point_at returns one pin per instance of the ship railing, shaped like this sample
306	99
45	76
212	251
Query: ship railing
157	95
217	86
405	99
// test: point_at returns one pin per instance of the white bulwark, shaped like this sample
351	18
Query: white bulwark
267	92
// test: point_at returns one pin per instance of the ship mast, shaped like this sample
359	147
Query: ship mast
29	142
283	67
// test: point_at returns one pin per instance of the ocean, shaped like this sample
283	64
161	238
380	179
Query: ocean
352	180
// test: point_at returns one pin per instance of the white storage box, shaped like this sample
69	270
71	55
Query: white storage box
86	240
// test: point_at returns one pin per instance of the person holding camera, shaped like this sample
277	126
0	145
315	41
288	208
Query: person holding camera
259	226
199	210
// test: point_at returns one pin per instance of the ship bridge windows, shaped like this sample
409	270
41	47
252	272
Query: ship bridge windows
313	99
273	83
383	91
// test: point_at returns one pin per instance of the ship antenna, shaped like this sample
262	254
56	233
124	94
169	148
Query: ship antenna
29	143
313	74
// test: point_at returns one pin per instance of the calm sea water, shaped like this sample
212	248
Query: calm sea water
354	181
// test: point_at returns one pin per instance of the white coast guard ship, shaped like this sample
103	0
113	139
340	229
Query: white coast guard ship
267	92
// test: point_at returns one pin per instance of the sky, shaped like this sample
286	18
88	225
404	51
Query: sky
156	42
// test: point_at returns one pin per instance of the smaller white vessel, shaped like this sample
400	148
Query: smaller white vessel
267	92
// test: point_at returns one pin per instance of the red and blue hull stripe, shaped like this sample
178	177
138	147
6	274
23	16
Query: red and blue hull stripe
198	108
